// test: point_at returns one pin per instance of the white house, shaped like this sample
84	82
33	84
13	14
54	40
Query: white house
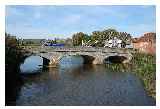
115	42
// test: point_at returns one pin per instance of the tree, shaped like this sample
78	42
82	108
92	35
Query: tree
102	36
13	59
95	35
77	38
98	38
125	37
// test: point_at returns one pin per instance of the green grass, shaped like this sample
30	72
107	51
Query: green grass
118	67
144	66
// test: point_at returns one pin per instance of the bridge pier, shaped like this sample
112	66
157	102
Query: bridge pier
54	62
98	60
50	63
45	61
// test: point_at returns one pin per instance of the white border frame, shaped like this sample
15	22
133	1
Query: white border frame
75	2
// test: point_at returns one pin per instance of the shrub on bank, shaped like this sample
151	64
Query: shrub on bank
13	58
144	66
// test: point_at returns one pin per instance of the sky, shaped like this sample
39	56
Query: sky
49	21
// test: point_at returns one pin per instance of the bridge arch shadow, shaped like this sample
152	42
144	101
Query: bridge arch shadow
115	59
87	59
45	61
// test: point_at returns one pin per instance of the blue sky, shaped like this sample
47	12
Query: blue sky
29	21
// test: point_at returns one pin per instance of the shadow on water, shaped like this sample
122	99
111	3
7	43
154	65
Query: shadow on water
72	83
13	84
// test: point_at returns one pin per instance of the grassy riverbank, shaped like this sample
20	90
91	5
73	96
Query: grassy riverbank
144	66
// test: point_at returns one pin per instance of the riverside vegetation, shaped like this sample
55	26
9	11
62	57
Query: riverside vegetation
13	58
144	66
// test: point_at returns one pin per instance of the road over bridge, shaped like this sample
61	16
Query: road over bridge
91	55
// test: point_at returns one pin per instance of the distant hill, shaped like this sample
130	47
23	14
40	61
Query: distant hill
31	41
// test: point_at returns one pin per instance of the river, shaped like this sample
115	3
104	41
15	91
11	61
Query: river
72	83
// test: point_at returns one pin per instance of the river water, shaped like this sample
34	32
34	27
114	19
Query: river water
72	83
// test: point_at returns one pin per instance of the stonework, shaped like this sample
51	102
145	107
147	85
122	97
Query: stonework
91	55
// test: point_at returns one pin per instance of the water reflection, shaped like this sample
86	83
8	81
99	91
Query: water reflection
68	62
53	72
32	64
77	84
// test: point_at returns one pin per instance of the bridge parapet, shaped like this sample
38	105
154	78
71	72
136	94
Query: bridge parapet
96	54
77	49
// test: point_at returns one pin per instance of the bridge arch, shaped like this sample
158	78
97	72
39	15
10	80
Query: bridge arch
116	59
87	59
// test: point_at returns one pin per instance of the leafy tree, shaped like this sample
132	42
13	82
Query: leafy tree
98	38
108	34
13	58
77	38
125	37
95	35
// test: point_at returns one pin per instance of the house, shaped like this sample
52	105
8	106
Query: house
146	43
115	42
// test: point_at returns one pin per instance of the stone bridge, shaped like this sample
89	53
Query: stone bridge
91	55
